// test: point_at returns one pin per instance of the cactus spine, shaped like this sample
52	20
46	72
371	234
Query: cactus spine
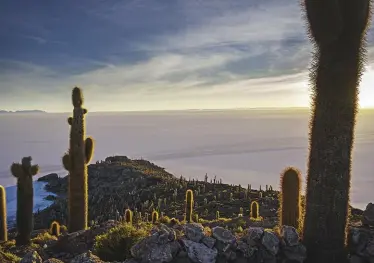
290	200
24	172
154	217
189	206
3	215
75	161
255	207
338	30
55	229
128	216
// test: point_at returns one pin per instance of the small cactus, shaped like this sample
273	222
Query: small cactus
196	218
241	211
3	215
154	217
189	206
255	207
290	200
24	172
260	195
128	216
55	229
217	215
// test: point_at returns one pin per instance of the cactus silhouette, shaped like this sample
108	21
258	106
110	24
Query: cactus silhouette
290	200
55	229
189	205
3	215
128	216
254	210
154	217
337	28
24	172
75	161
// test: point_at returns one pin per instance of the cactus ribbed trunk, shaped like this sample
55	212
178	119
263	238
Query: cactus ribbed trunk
3	215
290	198
24	172
337	28
189	206
78	178
75	161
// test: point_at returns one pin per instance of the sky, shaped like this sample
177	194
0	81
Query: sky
157	55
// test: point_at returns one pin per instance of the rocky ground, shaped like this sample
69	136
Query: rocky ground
119	183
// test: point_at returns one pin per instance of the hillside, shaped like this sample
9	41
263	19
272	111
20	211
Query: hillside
224	230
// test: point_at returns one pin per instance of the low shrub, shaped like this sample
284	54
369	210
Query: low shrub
115	245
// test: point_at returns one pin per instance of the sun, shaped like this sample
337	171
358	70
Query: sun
366	96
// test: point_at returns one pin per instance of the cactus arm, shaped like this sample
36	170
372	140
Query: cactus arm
89	149
70	121
66	161
34	170
16	170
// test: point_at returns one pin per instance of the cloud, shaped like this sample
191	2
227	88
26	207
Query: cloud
185	54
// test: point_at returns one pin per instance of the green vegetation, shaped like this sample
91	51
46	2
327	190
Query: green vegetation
75	161
24	172
115	245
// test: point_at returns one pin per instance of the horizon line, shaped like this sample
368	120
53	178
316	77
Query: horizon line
167	110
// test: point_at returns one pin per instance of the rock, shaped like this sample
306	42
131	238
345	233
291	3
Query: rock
254	235
200	253
194	232
356	259
359	238
247	250
290	235
53	260
368	216
209	241
295	253
270	242
159	247
87	257
31	257
48	178
369	251
223	235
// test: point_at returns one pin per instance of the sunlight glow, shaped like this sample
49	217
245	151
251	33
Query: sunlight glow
366	96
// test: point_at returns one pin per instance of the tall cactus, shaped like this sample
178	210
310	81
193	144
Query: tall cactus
75	161
290	199
24	172
338	29
3	215
189	205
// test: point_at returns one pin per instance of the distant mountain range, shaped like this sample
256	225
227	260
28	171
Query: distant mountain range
21	111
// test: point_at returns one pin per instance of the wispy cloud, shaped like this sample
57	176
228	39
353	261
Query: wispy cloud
138	56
